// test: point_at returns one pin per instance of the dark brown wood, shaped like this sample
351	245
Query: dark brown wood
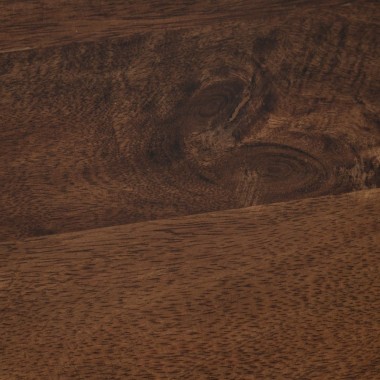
28	24
115	112
173	123
281	291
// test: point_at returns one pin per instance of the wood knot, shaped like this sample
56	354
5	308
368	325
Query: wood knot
213	104
265	172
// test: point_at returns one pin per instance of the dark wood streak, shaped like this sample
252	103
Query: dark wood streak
40	23
286	290
173	123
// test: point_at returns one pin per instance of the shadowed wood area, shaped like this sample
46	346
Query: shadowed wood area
170	123
37	23
280	291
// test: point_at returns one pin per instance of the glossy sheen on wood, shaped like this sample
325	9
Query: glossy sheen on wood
37	23
172	123
281	291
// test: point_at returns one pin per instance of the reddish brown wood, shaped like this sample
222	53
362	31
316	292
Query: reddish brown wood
281	291
39	23
173	123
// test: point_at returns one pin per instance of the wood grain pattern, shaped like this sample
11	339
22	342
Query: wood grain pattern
173	123
281	291
38	23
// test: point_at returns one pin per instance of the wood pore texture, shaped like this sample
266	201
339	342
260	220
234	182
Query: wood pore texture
281	104
281	291
189	189
26	25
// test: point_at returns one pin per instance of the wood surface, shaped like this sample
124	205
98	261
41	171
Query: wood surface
168	123
280	291
250	129
29	24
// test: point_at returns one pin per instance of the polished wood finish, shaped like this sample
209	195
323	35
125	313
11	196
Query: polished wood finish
170	123
281	291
